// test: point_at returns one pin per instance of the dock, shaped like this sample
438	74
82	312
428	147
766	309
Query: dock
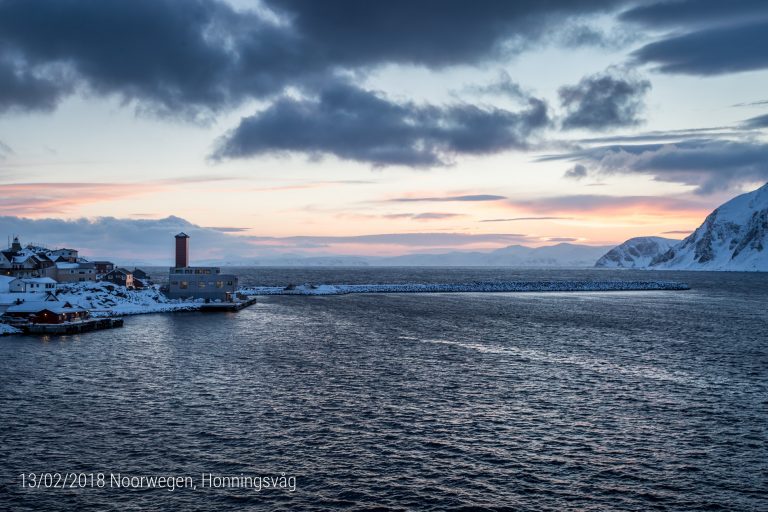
227	306
94	324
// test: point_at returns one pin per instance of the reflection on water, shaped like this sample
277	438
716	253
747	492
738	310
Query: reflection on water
623	401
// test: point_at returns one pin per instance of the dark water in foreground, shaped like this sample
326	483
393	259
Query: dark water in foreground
589	401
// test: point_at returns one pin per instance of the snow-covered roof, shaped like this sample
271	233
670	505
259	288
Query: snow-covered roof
41	280
53	307
65	265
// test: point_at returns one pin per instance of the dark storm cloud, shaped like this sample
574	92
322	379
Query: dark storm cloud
694	12
710	165
357	124
23	90
433	33
189	59
712	37
757	122
603	101
197	57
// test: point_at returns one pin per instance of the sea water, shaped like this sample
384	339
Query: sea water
534	401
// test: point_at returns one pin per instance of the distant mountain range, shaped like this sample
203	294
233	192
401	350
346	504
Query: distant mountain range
733	237
559	255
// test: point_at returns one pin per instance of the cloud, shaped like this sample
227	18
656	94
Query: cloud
150	241
402	239
716	132
751	104
515	219
48	198
606	204
576	172
45	198
361	125
602	101
710	37
226	229
457	32
438	199
5	150
195	58
22	89
694	12
678	232
125	239
757	122
710	165
502	86
423	216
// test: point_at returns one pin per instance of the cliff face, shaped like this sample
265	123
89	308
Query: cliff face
733	237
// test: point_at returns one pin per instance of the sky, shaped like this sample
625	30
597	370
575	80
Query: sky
298	127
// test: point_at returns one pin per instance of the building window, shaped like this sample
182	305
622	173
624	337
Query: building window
201	284
184	285
219	284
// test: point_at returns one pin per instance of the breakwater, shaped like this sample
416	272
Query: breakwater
471	287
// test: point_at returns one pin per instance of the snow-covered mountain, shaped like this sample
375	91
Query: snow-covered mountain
733	237
636	252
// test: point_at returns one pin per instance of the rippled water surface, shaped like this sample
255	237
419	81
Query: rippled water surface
589	401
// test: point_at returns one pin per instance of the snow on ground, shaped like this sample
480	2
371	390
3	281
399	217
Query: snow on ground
109	299
508	286
6	329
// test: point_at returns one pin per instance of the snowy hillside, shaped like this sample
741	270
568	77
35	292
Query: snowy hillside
636	252
108	299
733	237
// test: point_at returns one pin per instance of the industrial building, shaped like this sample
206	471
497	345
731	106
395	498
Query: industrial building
185	282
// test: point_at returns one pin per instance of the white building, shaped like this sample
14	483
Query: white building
32	285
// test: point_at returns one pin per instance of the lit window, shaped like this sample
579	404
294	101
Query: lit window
184	285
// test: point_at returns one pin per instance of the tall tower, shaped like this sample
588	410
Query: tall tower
182	250
16	246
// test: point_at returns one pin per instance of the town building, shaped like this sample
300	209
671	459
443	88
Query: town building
64	255
77	272
119	276
32	285
103	267
44	312
186	282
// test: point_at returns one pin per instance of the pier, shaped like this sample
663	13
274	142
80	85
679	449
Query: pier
72	327
227	306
